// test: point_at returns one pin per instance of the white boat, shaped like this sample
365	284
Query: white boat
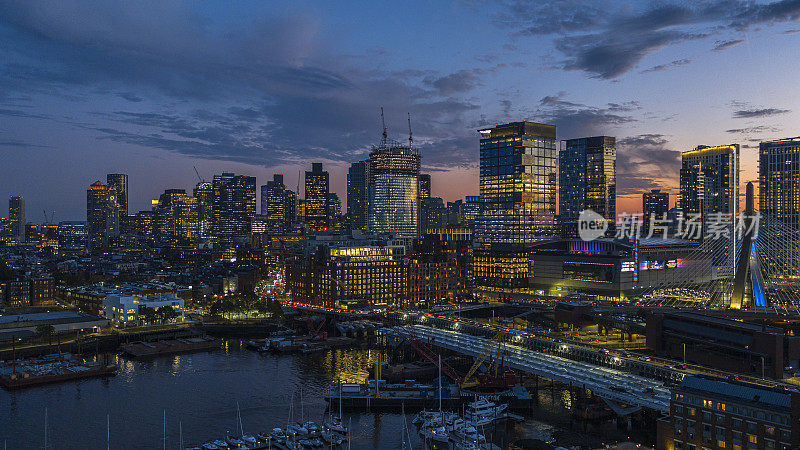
249	440
234	442
331	437
438	434
311	427
210	446
335	424
220	443
484	412
298	430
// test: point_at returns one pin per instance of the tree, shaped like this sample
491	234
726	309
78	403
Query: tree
45	330
148	314
5	272
166	313
275	308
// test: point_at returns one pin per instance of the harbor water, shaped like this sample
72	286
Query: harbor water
199	393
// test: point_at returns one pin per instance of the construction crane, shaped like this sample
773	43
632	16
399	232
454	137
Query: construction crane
410	136
469	380
316	330
48	221
198	174
426	353
383	124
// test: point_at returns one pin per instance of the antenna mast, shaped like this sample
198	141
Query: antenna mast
410	135
383	123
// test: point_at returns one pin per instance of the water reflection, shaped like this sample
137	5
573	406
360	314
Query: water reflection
201	392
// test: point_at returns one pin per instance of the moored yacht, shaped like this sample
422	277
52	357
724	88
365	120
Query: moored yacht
484	412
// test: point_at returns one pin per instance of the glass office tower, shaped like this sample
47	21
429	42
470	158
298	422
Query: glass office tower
779	195
587	180
393	191
517	183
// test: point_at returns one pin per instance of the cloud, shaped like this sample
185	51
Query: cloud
19	144
660	67
758	112
723	45
573	119
461	81
607	39
129	96
754	129
277	90
645	162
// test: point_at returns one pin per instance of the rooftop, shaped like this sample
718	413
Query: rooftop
738	391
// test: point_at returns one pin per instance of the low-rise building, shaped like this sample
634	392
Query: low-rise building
707	412
724	344
127	310
17	326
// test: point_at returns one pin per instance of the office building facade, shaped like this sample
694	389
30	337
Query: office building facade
517	183
102	215
317	191
16	215
120	182
708	412
393	190
779	196
432	214
655	204
357	182
709	180
587	180
235	205
176	217
204	193
424	185
277	206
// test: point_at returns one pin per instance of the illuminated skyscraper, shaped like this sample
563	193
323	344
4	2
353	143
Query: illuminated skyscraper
316	201
518	202
102	215
709	180
357	181
587	180
424	185
235	206
654	204
277	206
393	190
779	197
334	209
16	214
709	187
120	182
518	183
176	216
216	187
432	214
204	193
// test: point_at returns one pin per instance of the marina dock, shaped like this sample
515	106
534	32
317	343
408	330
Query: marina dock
168	347
25	373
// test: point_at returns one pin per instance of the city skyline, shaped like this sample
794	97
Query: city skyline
127	106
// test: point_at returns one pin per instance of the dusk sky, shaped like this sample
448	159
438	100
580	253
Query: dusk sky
153	88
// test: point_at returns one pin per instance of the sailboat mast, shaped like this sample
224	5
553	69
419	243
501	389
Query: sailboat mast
440	389
45	428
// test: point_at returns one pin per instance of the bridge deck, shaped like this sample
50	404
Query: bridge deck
607	383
